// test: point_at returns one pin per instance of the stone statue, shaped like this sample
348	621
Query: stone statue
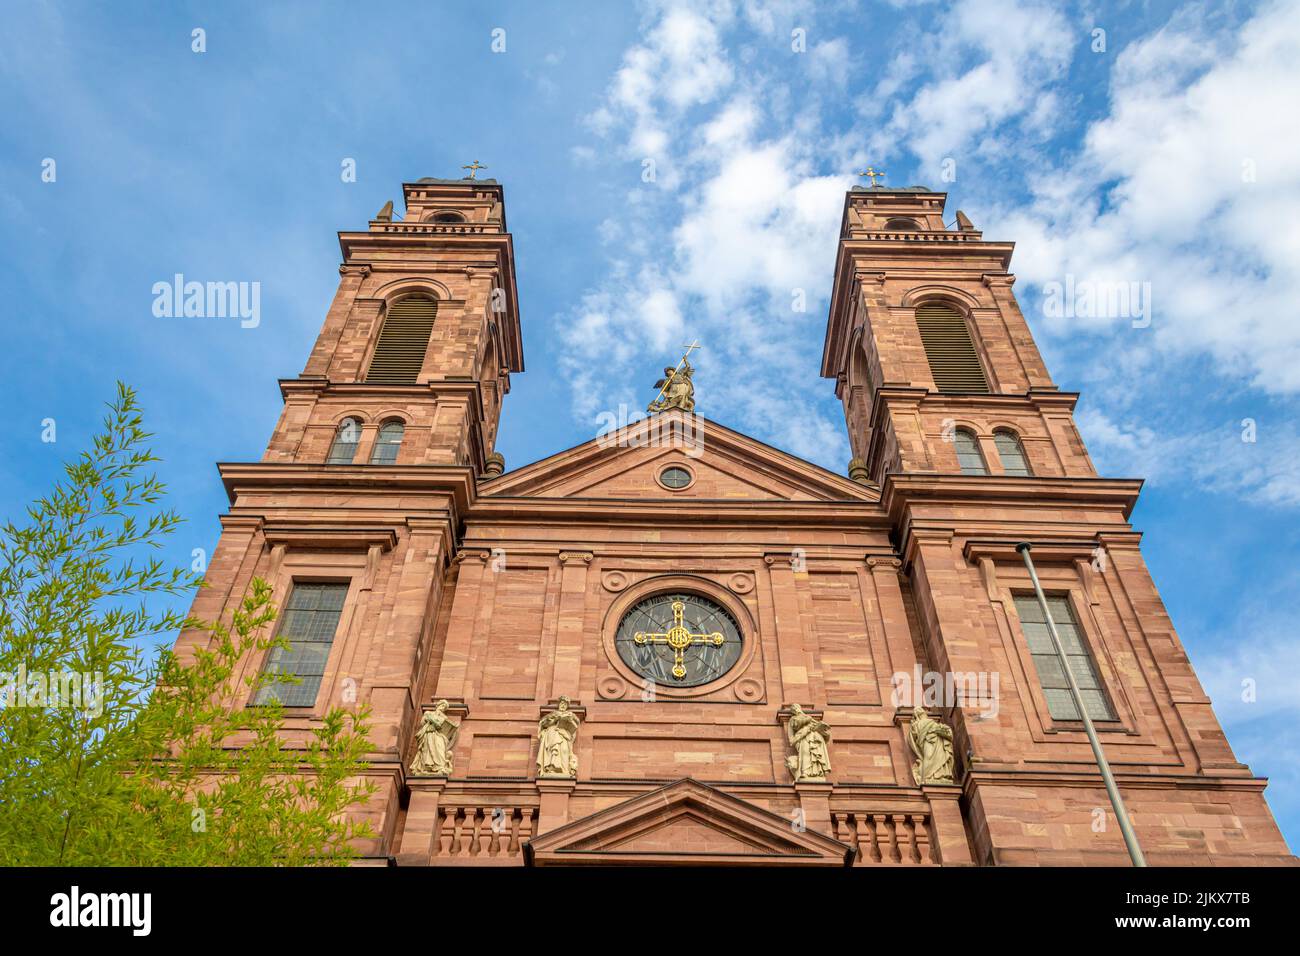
434	740
810	739
932	743
675	390
555	735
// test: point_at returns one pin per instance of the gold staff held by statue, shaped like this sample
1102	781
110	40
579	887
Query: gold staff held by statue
676	390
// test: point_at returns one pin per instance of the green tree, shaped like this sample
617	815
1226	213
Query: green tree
113	753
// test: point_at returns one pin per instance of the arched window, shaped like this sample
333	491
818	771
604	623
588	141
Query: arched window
954	363
969	457
446	217
387	443
344	447
403	340
1011	454
902	225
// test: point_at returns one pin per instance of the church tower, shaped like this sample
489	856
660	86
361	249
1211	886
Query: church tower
353	512
951	410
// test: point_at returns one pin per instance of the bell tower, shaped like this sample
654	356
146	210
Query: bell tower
931	357
355	510
424	330
951	411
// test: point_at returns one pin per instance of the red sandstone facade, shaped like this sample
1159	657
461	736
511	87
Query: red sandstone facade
502	592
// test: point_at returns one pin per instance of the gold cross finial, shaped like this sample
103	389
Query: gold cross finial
691	348
679	638
872	174
473	168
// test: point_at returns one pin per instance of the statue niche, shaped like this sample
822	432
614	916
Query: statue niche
556	733
810	738
932	743
434	742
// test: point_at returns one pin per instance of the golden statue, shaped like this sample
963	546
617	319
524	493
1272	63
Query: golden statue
932	743
556	733
676	390
810	739
435	739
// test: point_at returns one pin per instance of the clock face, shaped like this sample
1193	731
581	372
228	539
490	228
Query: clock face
678	640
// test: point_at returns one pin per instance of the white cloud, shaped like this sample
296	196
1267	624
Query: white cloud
1265	470
737	231
1202	156
992	61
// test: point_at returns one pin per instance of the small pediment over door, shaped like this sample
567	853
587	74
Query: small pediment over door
686	823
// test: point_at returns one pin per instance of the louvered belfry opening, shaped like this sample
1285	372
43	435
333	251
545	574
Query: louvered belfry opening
949	349
403	341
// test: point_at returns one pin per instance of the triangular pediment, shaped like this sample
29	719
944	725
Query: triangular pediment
722	464
686	822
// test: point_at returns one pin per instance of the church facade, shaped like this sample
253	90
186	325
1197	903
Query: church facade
675	644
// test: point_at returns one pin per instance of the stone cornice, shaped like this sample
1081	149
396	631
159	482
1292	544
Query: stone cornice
900	491
1050	548
921	505
454	482
833	515
1138	780
423	390
324	537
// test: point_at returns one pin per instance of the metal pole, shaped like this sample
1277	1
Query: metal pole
1116	801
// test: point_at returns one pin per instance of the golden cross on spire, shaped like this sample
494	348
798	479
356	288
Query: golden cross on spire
872	174
679	637
473	168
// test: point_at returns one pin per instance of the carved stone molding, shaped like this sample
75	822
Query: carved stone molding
554	704
787	711
456	706
748	690
614	581
741	582
584	556
463	556
333	539
884	562
611	687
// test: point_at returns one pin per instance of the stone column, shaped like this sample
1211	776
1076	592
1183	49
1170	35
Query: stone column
794	657
569	628
453	677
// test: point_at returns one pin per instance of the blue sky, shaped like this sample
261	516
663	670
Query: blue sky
1162	151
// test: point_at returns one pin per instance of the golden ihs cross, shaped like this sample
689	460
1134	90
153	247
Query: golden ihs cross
473	168
679	637
872	174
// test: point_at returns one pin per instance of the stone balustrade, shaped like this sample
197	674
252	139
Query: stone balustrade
884	838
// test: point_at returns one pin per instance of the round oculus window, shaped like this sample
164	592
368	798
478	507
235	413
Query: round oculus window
678	640
675	477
